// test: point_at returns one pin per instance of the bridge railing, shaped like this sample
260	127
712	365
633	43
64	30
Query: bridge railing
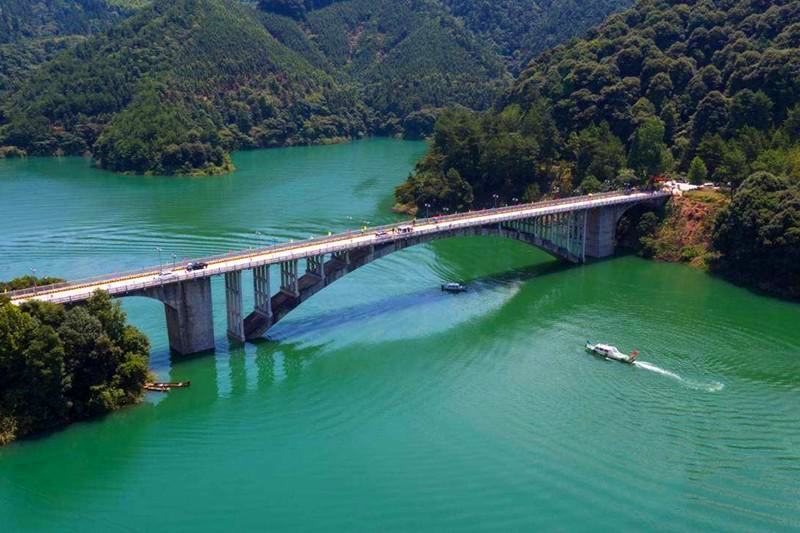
438	221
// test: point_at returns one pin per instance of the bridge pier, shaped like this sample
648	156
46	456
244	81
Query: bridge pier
189	314
233	305
316	265
601	231
343	257
261	289
289	278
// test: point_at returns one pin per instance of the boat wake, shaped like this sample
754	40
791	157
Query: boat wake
708	387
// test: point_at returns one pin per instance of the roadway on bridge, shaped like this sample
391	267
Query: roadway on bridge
125	283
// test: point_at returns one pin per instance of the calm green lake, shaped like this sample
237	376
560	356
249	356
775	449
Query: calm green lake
384	404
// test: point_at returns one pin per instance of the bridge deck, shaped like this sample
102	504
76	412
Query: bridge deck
121	284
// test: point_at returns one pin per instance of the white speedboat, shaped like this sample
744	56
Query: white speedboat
611	352
453	287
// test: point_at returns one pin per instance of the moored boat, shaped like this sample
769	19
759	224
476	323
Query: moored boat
611	352
165	387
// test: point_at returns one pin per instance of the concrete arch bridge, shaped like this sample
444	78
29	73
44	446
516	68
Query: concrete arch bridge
571	229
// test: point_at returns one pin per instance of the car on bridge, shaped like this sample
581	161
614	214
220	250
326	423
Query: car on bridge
405	229
196	265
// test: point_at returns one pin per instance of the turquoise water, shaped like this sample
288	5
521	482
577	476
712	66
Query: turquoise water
384	404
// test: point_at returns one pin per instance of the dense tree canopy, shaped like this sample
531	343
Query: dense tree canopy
62	364
647	92
179	84
758	235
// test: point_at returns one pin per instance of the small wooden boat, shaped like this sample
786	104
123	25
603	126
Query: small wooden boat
165	387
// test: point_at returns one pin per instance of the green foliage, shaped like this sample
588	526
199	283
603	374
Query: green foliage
34	31
522	29
597	154
58	365
697	171
26	282
758	235
648	154
25	19
727	67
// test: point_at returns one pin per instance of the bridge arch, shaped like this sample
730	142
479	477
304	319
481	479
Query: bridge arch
561	237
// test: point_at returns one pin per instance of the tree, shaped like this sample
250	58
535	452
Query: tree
590	185
697	171
711	116
711	150
750	108
596	152
758	235
659	89
58	365
648	155
734	168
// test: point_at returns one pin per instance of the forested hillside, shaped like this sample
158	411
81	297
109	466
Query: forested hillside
652	90
32	31
707	89
522	29
173	89
177	85
408	58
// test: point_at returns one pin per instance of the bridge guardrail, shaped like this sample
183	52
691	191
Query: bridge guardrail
437	221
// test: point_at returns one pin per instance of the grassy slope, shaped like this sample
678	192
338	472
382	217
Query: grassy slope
685	233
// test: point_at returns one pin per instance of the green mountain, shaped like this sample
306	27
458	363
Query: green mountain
174	86
708	89
646	92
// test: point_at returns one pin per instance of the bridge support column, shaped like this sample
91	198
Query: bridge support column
289	283
343	256
189	314
263	295
601	229
316	265
233	305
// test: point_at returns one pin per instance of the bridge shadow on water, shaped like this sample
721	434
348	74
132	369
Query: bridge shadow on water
419	299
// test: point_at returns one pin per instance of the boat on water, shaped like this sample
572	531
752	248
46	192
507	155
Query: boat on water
611	352
453	287
165	387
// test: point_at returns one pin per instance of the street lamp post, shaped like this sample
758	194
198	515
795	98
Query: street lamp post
174	259
427	206
160	267
33	272
496	197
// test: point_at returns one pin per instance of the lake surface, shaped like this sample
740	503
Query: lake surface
385	404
